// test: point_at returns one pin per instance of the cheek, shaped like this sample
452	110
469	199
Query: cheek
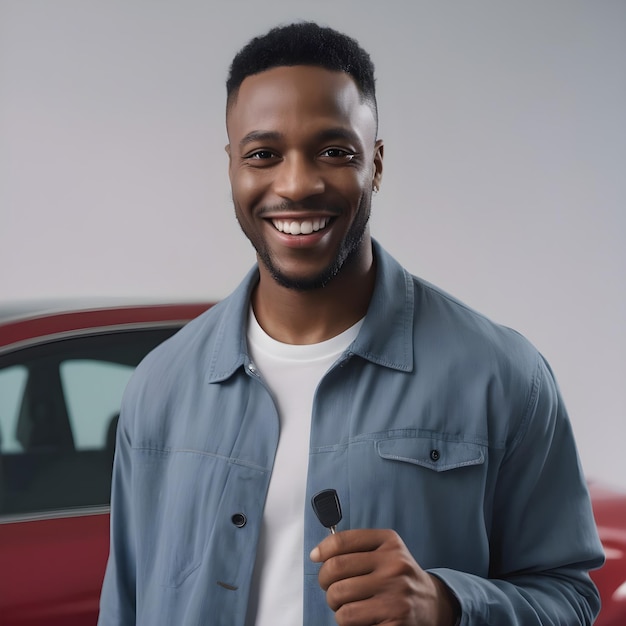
348	182
359	188
247	187
358	179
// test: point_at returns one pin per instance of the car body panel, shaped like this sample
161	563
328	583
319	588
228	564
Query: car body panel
609	506
52	569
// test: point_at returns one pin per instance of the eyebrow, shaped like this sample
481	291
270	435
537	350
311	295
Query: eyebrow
260	135
339	132
328	134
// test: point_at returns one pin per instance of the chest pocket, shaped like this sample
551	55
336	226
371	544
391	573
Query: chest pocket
435	454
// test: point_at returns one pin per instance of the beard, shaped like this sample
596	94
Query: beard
346	253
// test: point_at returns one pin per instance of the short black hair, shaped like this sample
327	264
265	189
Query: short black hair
304	43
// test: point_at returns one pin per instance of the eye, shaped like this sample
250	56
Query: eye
260	155
338	153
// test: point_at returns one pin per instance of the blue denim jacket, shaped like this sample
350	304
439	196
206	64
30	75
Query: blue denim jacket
435	422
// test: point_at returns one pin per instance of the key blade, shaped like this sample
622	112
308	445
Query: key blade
327	507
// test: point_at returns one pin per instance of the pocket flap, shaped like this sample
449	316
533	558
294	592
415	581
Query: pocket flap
435	454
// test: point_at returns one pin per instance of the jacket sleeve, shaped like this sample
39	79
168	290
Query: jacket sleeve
543	538
117	600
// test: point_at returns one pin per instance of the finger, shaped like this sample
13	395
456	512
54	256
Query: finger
357	576
350	591
373	611
356	614
348	541
344	566
370	600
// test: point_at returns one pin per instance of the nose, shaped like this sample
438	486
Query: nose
297	178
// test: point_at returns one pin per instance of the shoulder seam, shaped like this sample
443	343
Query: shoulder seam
531	405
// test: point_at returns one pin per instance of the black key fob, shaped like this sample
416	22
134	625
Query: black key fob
327	508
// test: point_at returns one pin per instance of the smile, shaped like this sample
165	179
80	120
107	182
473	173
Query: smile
301	227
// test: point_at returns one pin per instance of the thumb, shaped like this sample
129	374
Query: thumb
316	555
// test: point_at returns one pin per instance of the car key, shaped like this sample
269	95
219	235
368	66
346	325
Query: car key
327	508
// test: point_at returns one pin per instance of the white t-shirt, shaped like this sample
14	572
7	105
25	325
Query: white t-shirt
292	373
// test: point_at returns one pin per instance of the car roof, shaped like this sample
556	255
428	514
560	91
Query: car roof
23	322
20	309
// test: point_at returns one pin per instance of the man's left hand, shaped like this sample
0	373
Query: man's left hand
370	577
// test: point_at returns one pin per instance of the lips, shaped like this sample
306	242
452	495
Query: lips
301	227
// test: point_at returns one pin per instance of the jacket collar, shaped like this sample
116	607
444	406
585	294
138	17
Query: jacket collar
386	337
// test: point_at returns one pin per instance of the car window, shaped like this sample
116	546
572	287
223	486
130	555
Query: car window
12	383
59	405
93	394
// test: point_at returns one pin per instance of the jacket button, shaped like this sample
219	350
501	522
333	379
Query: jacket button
239	520
434	455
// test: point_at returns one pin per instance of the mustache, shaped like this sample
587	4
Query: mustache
308	205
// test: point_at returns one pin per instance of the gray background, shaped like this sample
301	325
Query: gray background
505	166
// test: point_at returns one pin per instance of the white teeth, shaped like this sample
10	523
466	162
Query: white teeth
304	227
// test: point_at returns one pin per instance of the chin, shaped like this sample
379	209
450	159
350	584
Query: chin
303	283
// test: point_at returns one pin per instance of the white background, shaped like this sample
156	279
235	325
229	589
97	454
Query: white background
505	166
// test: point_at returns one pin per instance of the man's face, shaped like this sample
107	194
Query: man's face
303	161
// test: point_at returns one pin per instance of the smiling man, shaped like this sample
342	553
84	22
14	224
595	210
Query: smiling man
304	160
331	367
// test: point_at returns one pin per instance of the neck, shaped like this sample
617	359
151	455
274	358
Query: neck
311	316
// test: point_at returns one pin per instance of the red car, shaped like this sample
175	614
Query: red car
61	381
609	507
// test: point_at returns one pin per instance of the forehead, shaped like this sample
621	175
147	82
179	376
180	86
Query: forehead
299	97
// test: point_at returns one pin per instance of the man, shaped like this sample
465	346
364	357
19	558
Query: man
330	366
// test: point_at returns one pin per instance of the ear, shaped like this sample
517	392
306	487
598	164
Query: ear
227	148
377	176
